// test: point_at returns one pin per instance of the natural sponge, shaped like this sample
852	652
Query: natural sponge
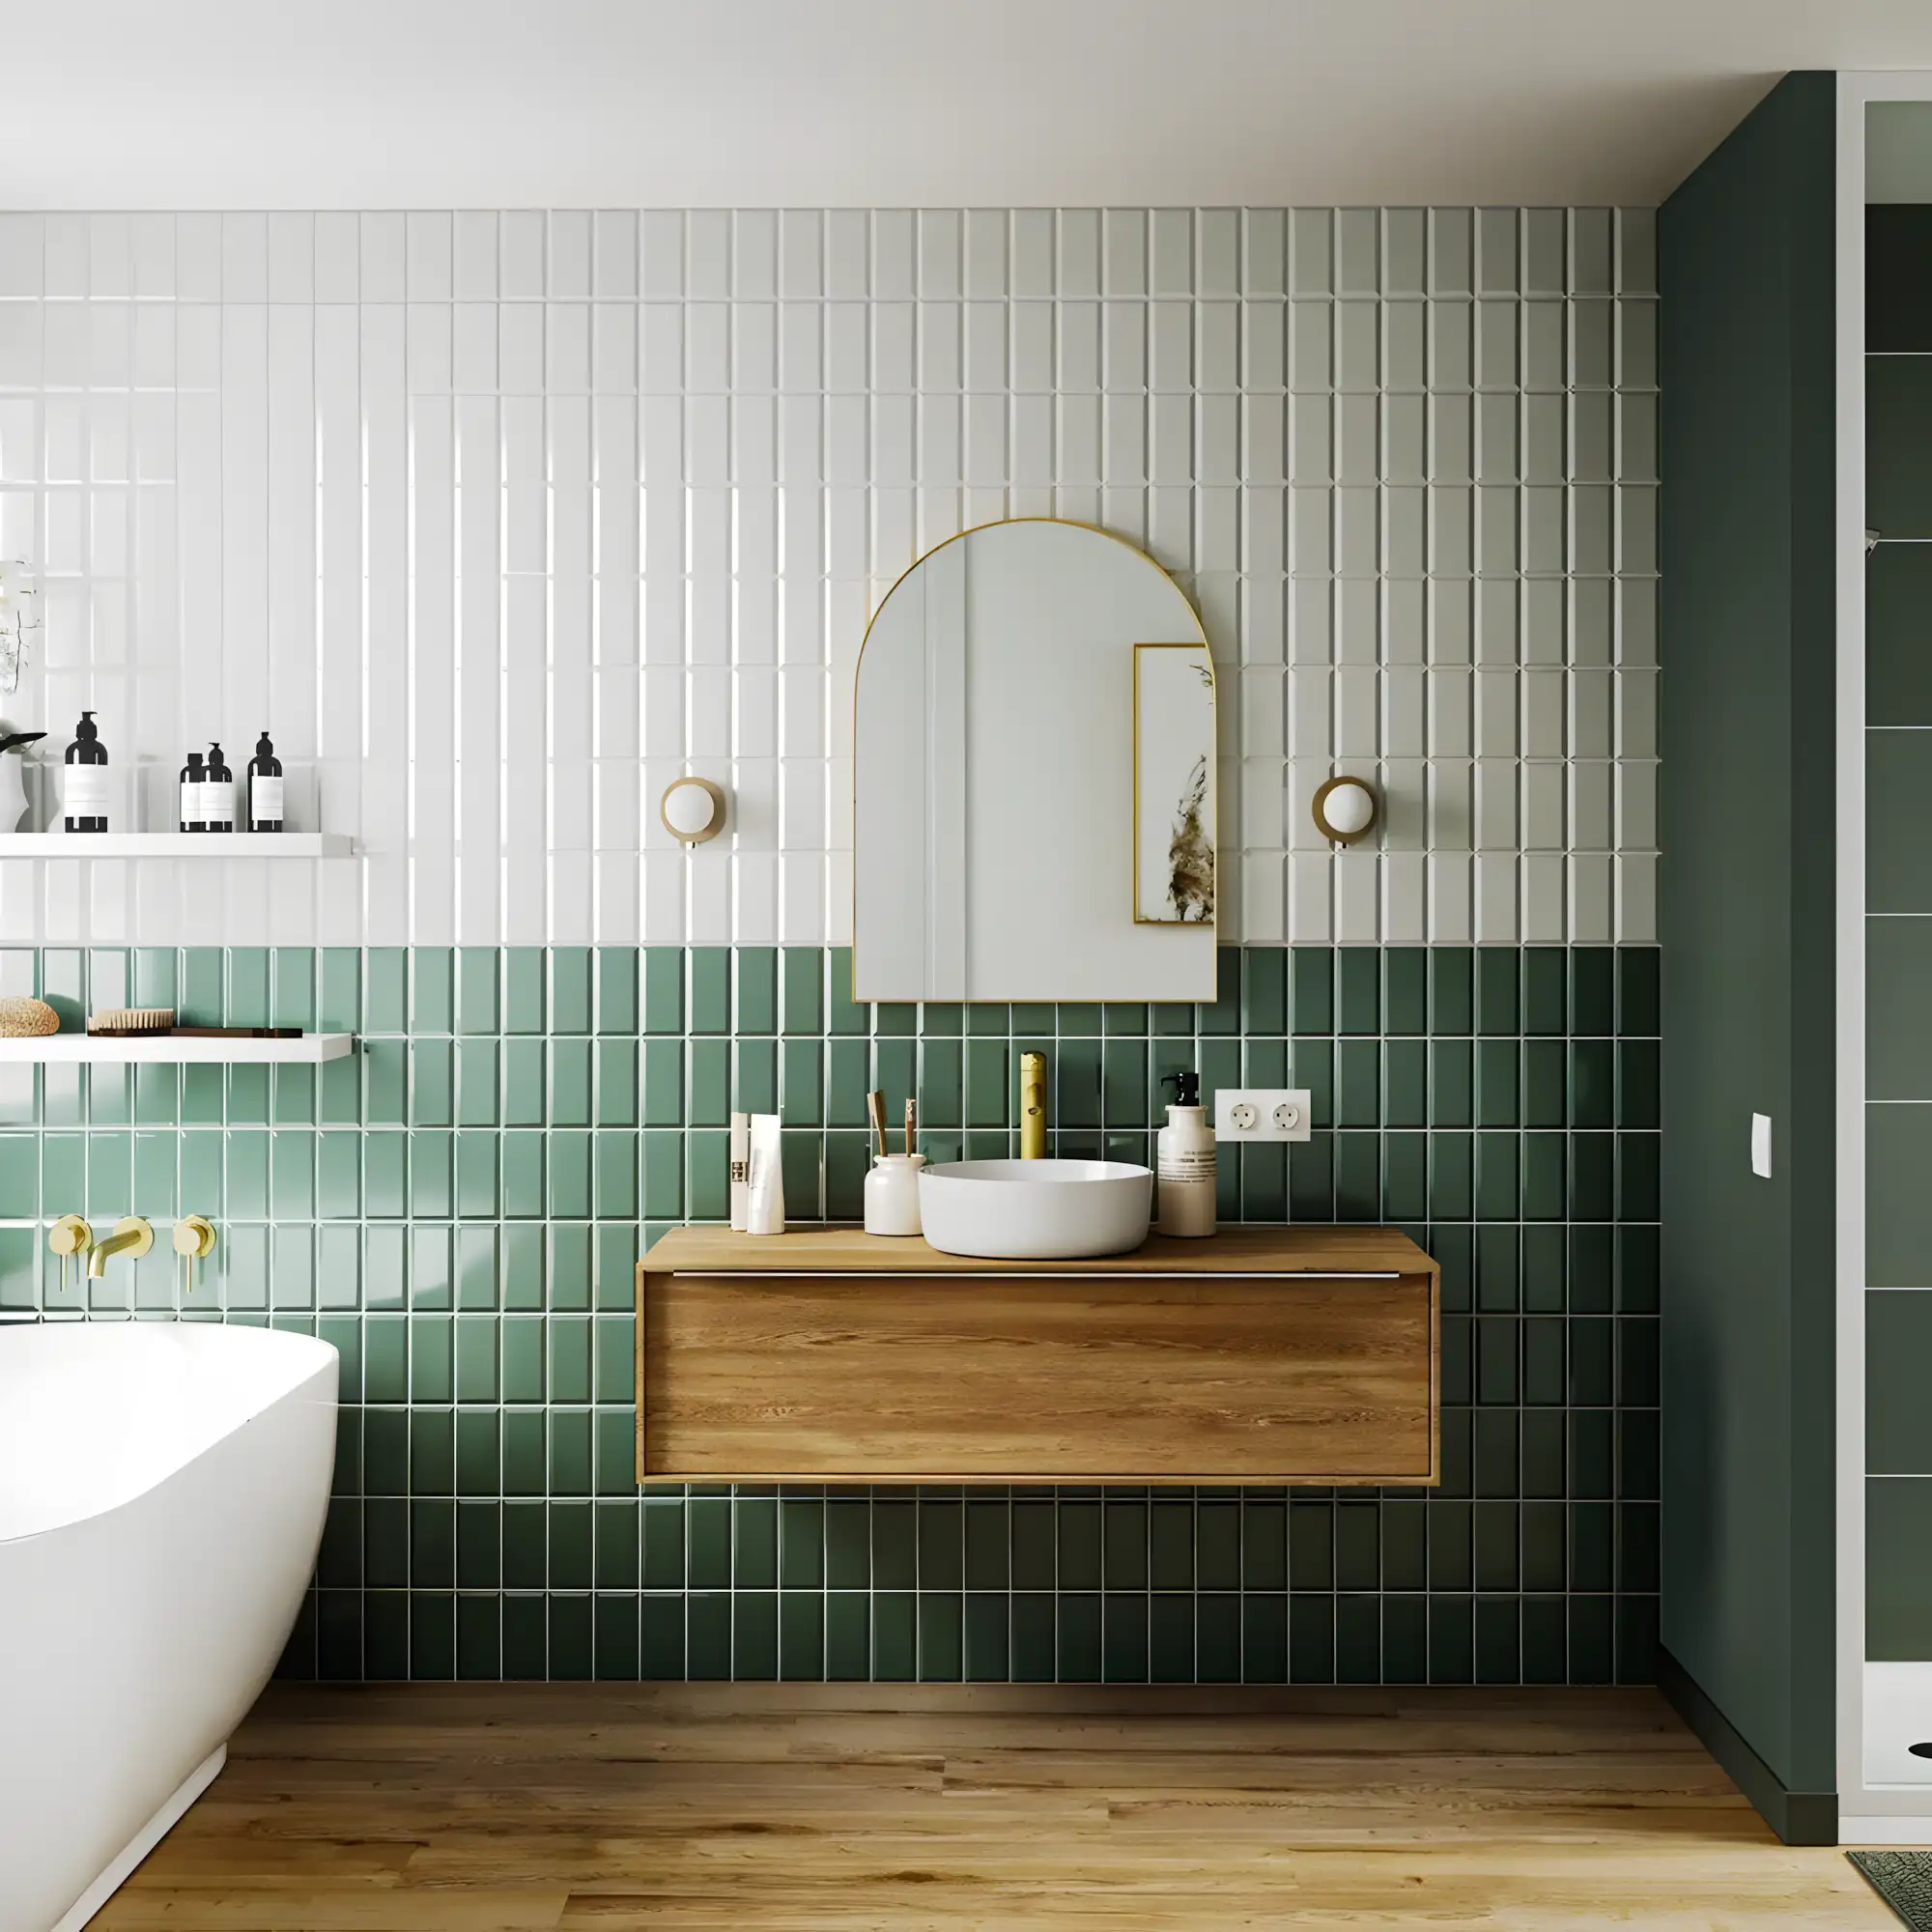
27	1019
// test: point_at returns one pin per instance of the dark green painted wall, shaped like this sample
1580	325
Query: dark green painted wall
1746	921
459	1207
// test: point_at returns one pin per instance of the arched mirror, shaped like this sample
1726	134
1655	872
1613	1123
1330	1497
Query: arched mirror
1034	777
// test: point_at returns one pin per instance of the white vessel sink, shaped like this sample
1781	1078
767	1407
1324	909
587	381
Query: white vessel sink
1035	1209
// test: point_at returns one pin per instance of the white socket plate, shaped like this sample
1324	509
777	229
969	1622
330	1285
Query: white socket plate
1254	1113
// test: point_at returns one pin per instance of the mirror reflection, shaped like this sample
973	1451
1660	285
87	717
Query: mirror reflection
1034	777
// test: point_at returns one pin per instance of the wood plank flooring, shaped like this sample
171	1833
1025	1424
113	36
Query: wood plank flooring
597	1807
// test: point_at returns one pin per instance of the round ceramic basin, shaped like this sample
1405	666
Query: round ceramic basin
1035	1209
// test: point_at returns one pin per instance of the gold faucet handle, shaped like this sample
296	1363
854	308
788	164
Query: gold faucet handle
194	1241
195	1238
70	1236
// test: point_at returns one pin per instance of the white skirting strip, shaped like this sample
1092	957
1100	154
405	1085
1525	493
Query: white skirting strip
1885	1831
144	1841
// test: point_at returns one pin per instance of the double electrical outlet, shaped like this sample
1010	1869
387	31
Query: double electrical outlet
1262	1113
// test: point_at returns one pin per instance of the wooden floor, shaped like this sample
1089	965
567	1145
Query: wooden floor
469	1808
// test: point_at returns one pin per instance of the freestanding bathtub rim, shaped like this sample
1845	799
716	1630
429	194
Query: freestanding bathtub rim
249	1393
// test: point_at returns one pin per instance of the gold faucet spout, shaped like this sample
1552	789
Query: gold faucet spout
1033	1106
131	1236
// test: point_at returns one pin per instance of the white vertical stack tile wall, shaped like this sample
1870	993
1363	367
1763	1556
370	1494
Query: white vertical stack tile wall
498	520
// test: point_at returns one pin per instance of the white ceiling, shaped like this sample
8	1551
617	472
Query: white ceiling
361	104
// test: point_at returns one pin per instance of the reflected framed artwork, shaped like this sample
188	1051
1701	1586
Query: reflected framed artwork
1173	786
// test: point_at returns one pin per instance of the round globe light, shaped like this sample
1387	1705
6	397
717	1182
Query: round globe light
693	810
1345	809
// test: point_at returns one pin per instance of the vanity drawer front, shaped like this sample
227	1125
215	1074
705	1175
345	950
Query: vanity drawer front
1010	1378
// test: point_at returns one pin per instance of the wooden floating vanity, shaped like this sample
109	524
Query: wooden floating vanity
1261	1356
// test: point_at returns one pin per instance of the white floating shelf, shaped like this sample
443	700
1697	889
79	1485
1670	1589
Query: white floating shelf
176	845
66	1048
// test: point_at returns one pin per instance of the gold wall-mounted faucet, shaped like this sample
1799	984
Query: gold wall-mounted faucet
1033	1106
131	1236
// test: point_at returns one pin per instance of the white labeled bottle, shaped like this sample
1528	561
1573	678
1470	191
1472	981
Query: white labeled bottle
191	808
84	780
1184	1162
264	788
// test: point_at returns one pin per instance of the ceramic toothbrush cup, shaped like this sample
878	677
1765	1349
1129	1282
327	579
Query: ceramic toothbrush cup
892	1194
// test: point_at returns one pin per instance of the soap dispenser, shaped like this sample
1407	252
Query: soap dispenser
1184	1161
84	779
193	811
264	788
217	793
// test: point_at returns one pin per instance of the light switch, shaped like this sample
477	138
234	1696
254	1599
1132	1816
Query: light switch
1761	1146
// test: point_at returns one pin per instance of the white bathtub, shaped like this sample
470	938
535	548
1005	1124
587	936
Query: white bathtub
161	1497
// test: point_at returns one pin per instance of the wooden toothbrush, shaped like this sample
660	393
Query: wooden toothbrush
875	1102
911	1122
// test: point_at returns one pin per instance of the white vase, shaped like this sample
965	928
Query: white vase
12	792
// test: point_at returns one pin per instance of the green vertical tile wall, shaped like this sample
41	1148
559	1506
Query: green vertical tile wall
1898	935
459	1210
1898	1570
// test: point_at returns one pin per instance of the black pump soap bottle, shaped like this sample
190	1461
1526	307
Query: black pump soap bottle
84	782
264	788
219	792
193	812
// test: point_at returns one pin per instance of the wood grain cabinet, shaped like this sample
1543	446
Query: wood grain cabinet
1261	1355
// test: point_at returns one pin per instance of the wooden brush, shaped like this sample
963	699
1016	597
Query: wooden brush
912	1122
875	1101
131	1021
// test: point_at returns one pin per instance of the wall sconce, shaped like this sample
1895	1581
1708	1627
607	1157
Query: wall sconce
693	810
1345	810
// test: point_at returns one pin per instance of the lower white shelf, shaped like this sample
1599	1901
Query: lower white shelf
176	845
66	1047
